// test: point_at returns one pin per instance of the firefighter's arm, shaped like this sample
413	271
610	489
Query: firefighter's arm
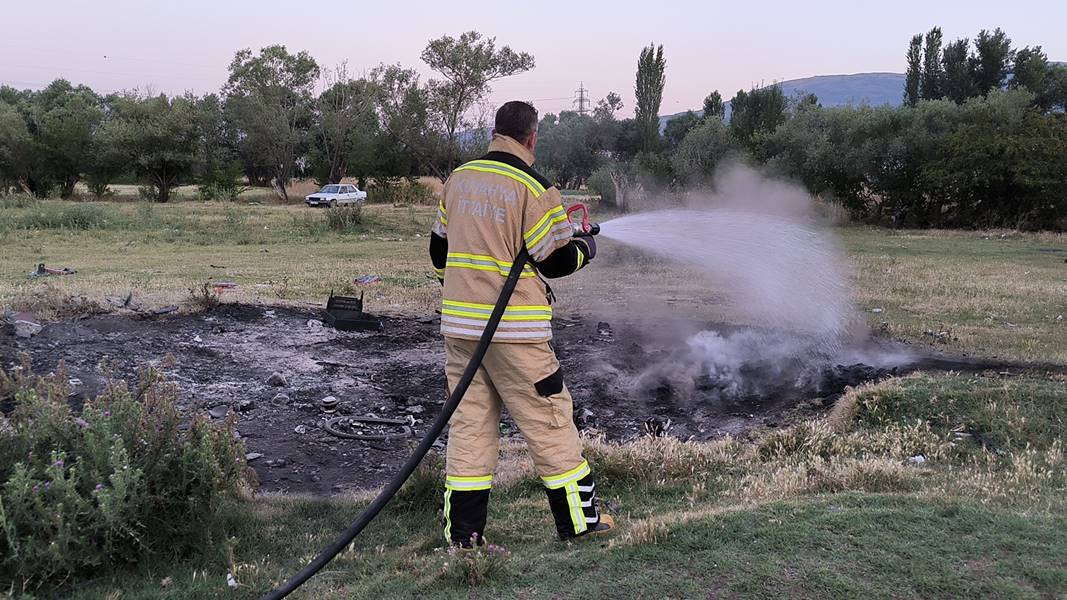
545	228
568	259
439	242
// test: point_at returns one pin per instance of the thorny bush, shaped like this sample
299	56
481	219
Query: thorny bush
126	477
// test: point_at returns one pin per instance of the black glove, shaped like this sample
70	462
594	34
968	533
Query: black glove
587	245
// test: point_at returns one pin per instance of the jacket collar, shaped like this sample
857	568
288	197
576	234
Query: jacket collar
503	143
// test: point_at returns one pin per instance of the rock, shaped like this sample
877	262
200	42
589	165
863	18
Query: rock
251	456
315	325
329	403
219	411
166	310
300	429
604	329
280	399
277	380
245	405
27	329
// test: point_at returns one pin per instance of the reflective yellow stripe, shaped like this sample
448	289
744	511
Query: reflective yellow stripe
441	207
556	215
574	501
487	166
506	317
467	484
558	481
440	273
482	312
505	169
480	262
489	307
448	515
581	257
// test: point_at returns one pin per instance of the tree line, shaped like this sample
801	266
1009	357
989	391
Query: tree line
980	141
278	116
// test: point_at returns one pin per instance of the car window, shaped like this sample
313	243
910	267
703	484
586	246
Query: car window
349	189
330	189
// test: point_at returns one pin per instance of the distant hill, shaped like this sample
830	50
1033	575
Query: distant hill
874	89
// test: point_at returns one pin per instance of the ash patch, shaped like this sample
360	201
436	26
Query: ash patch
225	362
272	367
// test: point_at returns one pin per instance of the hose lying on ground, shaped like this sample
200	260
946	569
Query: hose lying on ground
416	457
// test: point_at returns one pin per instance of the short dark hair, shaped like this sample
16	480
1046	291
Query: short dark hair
516	119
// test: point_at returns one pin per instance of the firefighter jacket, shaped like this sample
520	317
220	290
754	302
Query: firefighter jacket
490	208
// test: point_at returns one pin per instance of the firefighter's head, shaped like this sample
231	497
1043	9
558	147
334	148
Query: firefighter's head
517	120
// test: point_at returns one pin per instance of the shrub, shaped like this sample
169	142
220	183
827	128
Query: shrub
18	201
69	216
394	190
127	477
343	218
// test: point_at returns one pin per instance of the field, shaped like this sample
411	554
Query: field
833	503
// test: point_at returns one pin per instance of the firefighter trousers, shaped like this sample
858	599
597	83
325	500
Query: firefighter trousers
526	378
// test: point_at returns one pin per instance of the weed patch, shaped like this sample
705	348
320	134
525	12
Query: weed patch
126	478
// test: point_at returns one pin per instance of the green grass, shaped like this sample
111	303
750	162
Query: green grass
856	520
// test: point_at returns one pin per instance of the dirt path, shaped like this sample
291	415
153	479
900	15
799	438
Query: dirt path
223	362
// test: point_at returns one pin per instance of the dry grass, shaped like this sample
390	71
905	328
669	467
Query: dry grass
275	254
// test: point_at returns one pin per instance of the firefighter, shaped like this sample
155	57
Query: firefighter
490	208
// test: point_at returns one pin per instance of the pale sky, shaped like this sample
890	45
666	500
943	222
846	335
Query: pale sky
171	46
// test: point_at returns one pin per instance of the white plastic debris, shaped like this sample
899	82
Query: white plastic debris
300	429
918	459
231	581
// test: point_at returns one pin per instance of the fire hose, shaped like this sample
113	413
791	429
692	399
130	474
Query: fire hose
582	229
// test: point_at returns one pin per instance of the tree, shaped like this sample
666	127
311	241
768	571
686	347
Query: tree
404	112
1034	73
468	65
701	151
269	102
648	89
957	82
14	140
757	112
1056	89
913	76
1003	165
932	73
346	122
158	136
607	107
713	106
568	148
992	60
678	127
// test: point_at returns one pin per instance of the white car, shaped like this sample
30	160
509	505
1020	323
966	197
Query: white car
336	194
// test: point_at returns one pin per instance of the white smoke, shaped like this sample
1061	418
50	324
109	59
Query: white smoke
758	242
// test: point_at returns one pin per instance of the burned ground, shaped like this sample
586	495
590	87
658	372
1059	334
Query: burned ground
225	362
